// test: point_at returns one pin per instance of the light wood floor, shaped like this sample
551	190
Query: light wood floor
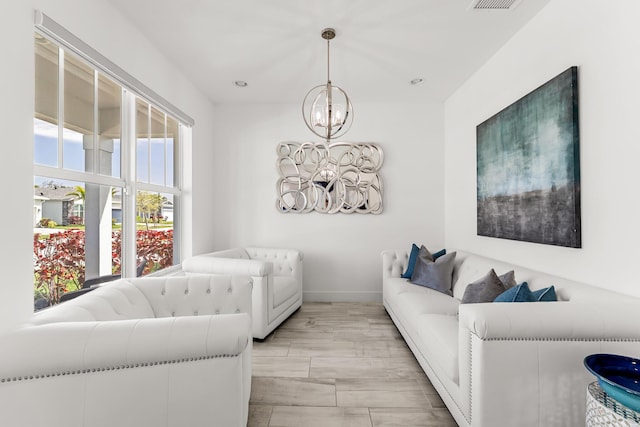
340	364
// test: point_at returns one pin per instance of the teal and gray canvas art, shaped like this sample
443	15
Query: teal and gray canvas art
528	167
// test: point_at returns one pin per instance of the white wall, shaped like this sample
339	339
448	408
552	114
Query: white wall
603	40
342	251
103	28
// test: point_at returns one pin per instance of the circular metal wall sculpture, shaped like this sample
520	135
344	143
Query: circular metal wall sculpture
329	178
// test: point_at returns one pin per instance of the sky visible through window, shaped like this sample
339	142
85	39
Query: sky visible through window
46	153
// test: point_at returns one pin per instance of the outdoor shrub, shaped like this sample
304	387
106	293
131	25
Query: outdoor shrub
75	220
59	264
155	246
47	223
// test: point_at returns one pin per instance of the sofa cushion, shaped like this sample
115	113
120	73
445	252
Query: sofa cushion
546	294
435	274
419	300
117	300
520	293
438	254
399	292
508	279
284	287
439	336
485	289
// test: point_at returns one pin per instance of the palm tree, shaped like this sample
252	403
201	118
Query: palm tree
78	192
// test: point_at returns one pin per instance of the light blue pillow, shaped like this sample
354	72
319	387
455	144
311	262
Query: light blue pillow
412	262
520	293
546	294
436	275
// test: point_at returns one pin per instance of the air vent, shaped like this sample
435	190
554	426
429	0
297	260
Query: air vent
493	4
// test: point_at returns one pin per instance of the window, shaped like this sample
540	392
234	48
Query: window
106	181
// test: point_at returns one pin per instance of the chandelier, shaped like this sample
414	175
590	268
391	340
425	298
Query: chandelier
326	108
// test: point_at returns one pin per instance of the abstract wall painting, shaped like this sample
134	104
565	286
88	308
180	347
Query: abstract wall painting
528	167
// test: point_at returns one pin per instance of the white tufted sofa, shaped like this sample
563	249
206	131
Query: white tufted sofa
509	364
277	280
143	352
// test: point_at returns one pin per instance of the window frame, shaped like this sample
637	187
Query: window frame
131	91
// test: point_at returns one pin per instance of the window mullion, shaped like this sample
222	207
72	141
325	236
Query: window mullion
128	150
164	160
60	162
71	175
149	121
181	228
96	126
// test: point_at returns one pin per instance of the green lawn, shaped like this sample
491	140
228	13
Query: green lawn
118	226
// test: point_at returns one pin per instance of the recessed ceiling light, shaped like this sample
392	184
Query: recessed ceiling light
416	81
241	83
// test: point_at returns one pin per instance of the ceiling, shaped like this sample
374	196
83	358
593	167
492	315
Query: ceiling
275	45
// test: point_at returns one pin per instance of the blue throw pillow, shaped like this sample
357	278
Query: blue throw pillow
412	262
439	254
520	293
546	294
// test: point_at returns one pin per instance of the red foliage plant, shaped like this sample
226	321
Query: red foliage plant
58	263
154	246
59	259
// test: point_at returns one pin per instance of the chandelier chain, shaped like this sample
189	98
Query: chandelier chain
328	59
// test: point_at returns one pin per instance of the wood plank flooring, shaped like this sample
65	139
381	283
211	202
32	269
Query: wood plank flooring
340	364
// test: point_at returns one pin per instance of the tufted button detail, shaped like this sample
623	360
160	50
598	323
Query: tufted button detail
229	290
209	290
195	313
173	314
217	311
237	310
163	292
186	291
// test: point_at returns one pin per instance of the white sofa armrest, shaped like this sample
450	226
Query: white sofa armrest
586	319
276	275
285	262
209	264
69	348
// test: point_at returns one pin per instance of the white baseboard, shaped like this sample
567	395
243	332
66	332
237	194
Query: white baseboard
341	296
